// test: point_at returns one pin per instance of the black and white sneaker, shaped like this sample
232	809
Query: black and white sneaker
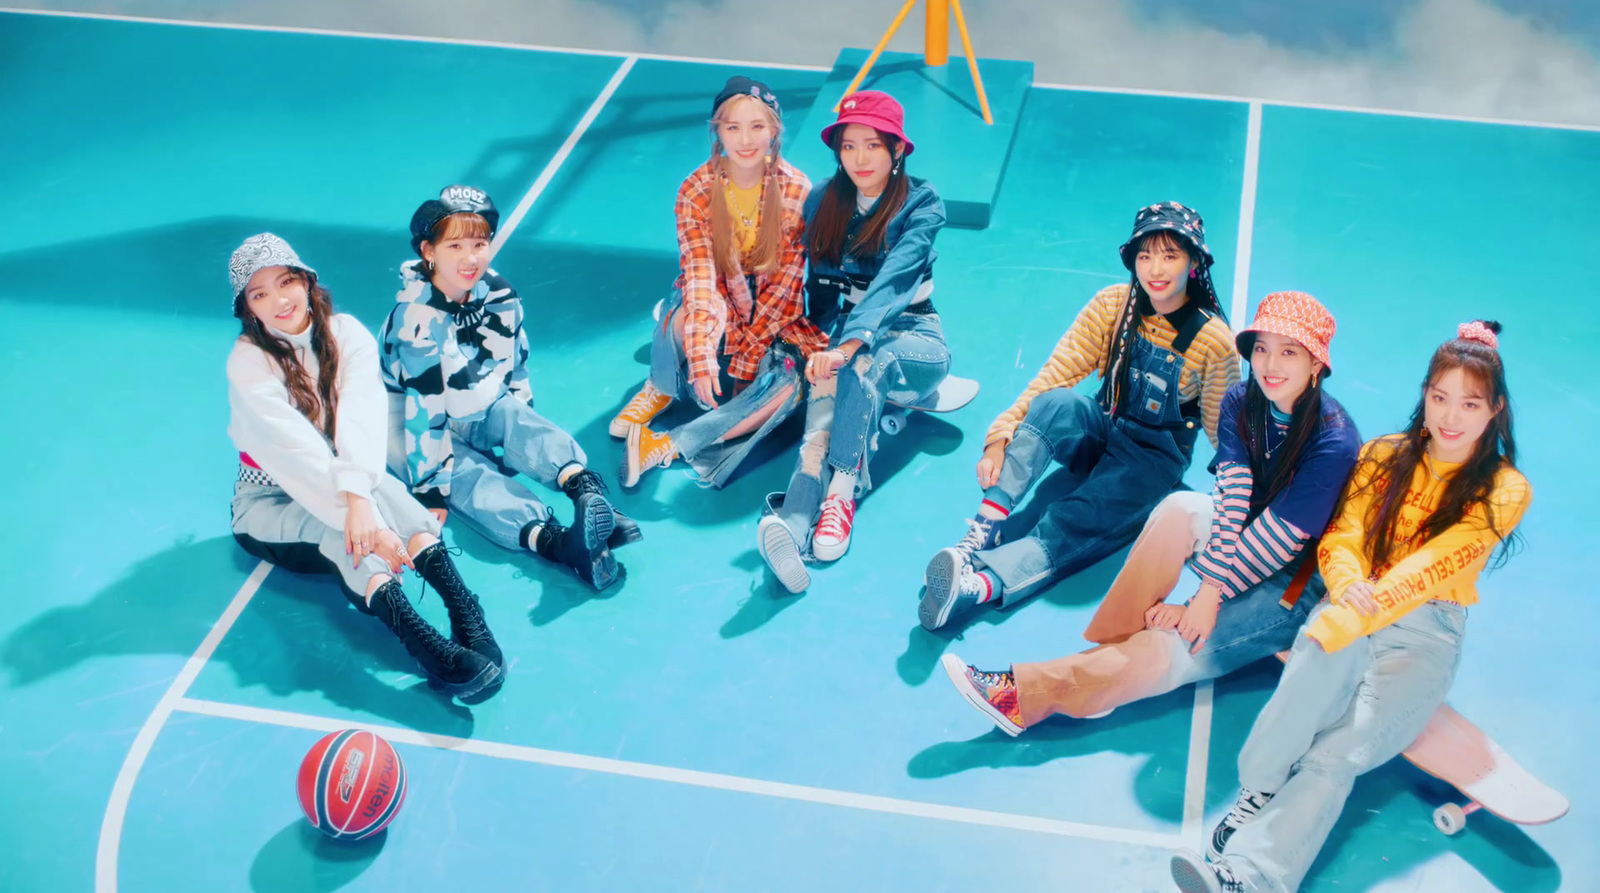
1193	874
1244	812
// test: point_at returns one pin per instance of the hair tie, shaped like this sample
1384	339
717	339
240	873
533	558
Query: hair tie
1477	331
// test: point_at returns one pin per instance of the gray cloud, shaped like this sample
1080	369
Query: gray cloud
1456	57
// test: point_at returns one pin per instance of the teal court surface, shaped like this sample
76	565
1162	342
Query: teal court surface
696	728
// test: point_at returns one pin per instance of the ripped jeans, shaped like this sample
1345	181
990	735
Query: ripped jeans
908	363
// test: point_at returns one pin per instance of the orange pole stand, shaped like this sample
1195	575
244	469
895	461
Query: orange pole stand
936	39
936	47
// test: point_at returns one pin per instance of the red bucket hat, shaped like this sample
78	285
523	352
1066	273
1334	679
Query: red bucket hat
877	110
1292	314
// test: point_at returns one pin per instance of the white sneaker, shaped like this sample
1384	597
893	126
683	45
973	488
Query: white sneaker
778	549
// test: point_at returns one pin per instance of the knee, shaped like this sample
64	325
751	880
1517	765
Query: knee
1056	405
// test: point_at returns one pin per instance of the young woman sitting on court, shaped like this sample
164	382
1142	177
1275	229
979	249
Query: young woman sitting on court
733	337
1286	449
1423	513
1165	357
869	240
309	419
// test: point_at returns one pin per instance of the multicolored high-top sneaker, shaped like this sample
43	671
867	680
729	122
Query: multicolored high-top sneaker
1193	874
993	693
1244	811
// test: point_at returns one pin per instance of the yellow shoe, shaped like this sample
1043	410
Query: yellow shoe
646	449
645	405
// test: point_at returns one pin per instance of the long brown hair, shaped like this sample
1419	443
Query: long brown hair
1473	483
829	226
769	229
320	403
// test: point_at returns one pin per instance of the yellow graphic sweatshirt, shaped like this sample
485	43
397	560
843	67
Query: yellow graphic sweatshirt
1445	567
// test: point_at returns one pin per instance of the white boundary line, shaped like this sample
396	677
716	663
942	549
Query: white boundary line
1194	787
105	863
1247	218
509	225
786	66
411	38
693	777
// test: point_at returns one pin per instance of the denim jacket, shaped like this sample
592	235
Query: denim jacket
882	286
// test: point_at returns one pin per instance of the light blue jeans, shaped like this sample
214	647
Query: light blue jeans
1334	717
842	416
484	490
699	440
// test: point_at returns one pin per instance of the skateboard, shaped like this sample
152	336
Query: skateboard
952	394
1453	749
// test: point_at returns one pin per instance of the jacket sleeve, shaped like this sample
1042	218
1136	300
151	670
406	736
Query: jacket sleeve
413	339
361	434
902	272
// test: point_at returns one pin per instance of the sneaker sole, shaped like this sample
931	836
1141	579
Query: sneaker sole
630	458
956	669
778	549
489	676
941	576
598	522
826	551
619	428
1191	877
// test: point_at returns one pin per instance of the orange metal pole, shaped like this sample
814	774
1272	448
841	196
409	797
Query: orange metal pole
936	39
876	52
972	62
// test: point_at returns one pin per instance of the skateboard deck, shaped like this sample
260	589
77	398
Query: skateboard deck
951	394
1453	749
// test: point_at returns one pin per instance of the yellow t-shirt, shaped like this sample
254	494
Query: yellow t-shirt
1445	567
745	207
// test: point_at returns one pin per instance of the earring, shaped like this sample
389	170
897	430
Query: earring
769	158
1193	274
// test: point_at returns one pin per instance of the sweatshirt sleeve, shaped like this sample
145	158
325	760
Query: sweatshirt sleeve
1341	556
361	435
518	382
288	447
1451	559
897	280
1220	374
1080	351
413	338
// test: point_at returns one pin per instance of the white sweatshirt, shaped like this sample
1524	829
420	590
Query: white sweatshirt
267	427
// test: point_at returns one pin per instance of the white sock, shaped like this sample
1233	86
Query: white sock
533	538
566	472
843	485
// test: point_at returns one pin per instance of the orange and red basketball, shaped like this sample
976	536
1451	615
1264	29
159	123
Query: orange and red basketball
351	784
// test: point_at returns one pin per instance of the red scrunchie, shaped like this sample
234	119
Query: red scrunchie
1477	331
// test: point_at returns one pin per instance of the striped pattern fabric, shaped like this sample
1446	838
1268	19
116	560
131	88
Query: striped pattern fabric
720	309
1238	557
1210	367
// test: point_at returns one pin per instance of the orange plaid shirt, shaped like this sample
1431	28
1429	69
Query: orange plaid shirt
778	306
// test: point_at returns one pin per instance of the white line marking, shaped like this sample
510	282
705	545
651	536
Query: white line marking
411	38
509	225
105	865
1194	787
1320	106
696	778
1247	217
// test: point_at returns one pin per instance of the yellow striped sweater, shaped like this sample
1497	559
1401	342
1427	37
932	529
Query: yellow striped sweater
1210	365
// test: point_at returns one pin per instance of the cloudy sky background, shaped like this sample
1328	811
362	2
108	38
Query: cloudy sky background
1535	60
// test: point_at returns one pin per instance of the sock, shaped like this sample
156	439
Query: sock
843	484
530	535
566	473
993	510
995	586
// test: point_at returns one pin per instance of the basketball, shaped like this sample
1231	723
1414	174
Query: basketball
351	784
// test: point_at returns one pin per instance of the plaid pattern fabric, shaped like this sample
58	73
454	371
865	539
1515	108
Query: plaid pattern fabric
713	302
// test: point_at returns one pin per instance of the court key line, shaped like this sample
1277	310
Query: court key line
692	777
105	870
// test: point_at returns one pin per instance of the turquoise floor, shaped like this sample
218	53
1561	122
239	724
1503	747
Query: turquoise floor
748	740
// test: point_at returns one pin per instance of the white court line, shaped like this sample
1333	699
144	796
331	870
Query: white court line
784	66
1247	218
509	225
1320	106
693	777
412	38
105	863
1194	786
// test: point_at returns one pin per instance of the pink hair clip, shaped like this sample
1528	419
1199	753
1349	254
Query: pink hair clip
1477	331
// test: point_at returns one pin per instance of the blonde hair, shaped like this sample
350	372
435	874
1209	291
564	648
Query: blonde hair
769	231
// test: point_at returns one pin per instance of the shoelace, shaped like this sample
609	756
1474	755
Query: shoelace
641	401
1230	882
587	481
837	516
989	679
472	625
972	582
977	536
1248	805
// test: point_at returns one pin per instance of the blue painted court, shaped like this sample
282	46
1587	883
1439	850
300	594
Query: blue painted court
696	728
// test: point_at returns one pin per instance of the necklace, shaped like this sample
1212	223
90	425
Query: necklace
744	218
1267	432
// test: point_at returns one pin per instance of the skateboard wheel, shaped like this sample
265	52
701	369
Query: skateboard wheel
892	421
1450	819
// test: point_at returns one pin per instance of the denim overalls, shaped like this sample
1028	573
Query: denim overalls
1123	463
